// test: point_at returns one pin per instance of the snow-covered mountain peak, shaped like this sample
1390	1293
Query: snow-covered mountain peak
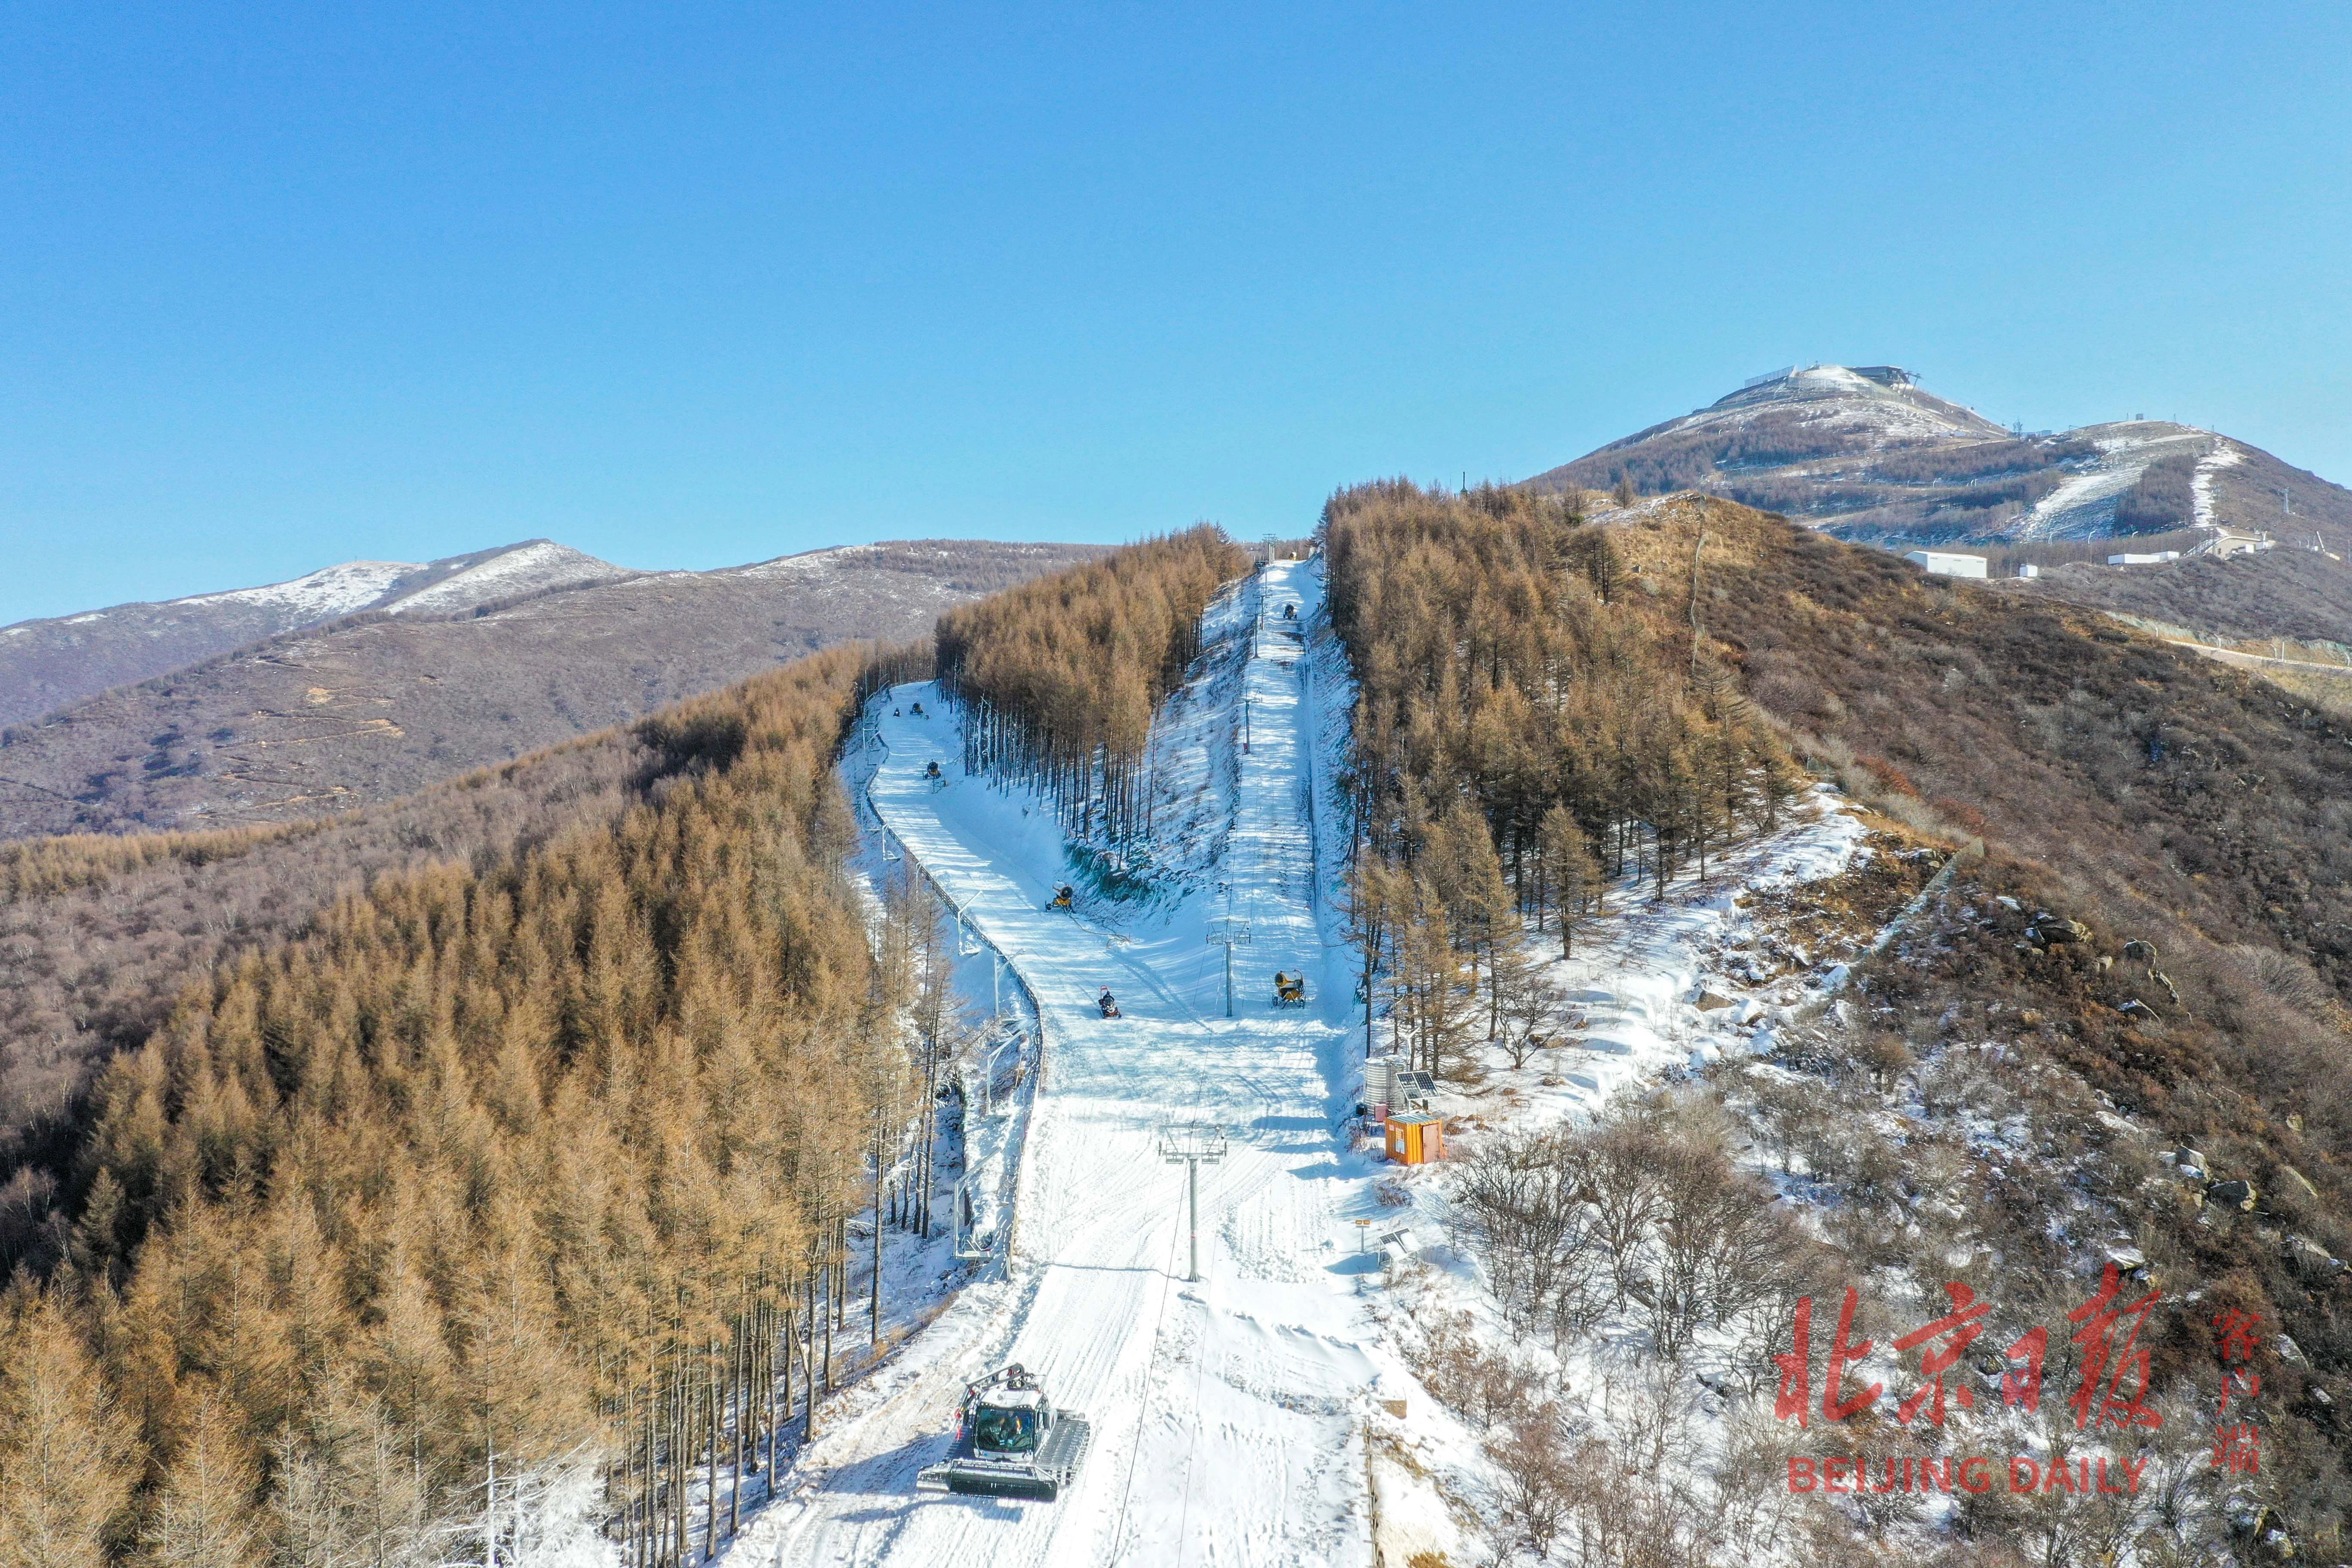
1867	453
1875	404
323	594
531	567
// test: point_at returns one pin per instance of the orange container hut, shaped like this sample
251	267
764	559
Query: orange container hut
1416	1140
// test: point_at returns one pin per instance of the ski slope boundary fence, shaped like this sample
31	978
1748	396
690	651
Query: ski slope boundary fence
1028	1093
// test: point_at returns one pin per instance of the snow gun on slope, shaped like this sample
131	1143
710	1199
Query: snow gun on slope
1011	1442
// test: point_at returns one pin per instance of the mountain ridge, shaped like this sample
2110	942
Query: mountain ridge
50	662
1868	455
462	671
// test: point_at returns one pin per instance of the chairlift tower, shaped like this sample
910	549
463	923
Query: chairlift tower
1193	1145
1229	931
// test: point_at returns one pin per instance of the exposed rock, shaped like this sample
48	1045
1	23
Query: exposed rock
2305	1256
2234	1195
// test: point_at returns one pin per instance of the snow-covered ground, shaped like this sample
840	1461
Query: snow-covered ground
2084	506
1250	1418
1228	1414
323	594
528	568
2223	456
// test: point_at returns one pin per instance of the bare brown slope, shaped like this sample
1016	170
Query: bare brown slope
2297	594
2182	789
45	665
371	709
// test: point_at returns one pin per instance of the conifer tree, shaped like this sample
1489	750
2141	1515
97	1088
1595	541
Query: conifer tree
66	1458
204	1515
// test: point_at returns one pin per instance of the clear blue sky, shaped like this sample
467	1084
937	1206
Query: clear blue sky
693	285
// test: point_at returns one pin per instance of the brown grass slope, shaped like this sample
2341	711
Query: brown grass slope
367	711
2160	796
2296	594
2154	796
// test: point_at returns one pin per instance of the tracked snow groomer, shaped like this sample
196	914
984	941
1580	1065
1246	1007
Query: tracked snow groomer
1010	1441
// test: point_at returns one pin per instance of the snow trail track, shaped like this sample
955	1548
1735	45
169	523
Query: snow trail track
1227	1414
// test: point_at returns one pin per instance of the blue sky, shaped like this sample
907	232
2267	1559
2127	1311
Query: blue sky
693	285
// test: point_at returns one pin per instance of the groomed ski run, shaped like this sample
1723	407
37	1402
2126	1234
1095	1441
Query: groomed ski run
1231	1417
1227	1414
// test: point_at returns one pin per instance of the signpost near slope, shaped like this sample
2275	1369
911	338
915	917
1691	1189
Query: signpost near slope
1192	1145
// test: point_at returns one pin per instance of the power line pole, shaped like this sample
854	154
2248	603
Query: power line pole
1192	1145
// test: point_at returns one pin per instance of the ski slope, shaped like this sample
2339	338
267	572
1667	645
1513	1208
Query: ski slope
1228	1414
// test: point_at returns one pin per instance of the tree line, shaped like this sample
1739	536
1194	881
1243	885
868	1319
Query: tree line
1058	680
508	1173
1540	713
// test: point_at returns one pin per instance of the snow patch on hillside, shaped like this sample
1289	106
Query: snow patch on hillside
530	568
2084	506
323	595
1841	401
2223	456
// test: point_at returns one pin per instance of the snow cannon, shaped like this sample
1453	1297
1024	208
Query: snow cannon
1289	990
1010	1441
1065	896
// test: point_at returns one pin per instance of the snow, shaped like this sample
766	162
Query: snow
323	594
526	569
806	561
2084	506
1250	1418
1229	1416
1837	397
2223	456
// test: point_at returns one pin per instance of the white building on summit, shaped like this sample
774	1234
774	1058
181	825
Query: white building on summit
1938	563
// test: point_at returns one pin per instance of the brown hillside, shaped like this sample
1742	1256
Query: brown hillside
366	711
